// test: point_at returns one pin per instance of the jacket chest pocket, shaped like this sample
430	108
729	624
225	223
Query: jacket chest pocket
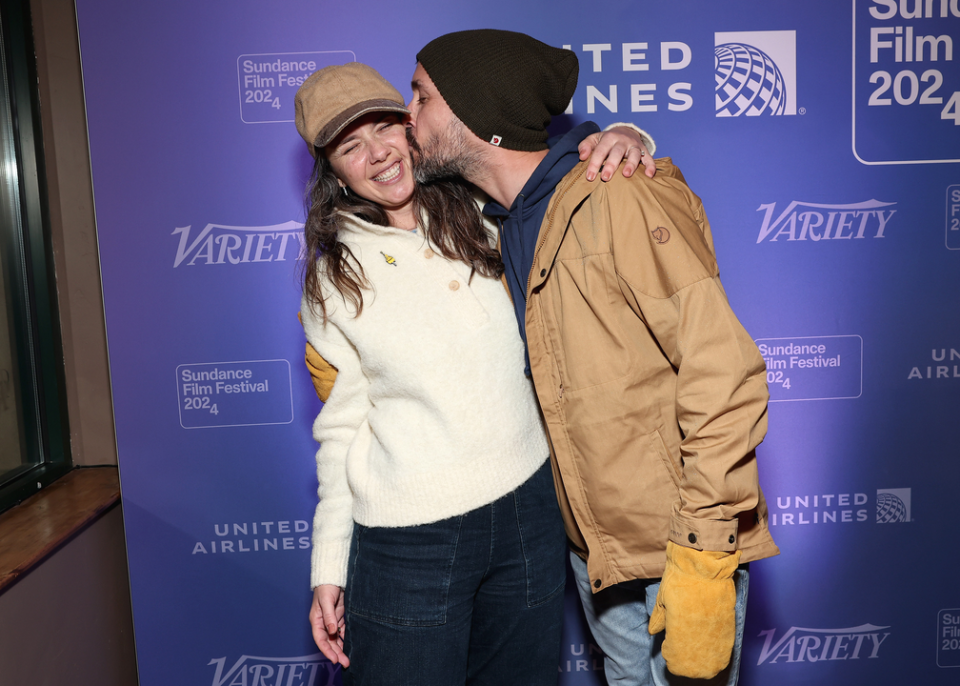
582	310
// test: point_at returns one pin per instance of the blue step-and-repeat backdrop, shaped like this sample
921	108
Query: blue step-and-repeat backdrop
824	139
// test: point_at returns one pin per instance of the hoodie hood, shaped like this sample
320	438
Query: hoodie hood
520	225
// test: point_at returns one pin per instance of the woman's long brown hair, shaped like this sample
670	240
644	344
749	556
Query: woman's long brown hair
453	224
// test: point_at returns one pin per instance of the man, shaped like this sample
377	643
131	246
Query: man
654	395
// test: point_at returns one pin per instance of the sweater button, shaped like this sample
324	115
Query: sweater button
597	583
428	253
543	272
454	285
692	538
732	539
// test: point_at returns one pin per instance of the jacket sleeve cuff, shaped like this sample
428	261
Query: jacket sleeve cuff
703	534
647	138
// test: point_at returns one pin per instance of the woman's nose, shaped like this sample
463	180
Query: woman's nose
378	151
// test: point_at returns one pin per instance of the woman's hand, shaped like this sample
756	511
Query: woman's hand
608	148
326	620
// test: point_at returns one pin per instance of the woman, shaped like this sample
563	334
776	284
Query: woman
439	550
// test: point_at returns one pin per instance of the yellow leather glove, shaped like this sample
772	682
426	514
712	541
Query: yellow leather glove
696	605
322	373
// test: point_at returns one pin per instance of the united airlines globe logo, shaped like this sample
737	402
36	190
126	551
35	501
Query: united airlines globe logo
748	82
891	508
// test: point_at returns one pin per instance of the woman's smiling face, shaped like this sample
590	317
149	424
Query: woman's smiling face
372	158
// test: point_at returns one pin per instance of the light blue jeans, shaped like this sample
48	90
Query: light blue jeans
618	618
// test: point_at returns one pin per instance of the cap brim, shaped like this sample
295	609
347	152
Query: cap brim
342	120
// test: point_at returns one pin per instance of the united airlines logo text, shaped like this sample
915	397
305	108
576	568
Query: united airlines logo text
754	74
817	645
255	537
892	507
222	244
944	363
801	221
582	657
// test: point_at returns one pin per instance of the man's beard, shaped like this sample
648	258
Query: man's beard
443	158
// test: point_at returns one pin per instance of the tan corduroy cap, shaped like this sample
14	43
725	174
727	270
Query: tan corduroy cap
334	96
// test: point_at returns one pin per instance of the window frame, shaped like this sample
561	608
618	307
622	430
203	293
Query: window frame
35	314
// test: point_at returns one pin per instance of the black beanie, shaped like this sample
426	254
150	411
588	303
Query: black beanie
505	86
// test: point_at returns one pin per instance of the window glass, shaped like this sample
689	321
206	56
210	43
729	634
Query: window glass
13	450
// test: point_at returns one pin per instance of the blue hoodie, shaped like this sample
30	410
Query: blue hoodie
520	225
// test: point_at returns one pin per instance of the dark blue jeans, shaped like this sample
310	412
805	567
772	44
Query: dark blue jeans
475	599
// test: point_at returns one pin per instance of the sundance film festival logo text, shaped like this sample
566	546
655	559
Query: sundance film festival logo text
818	645
222	244
953	217
813	367
905	75
268	82
948	638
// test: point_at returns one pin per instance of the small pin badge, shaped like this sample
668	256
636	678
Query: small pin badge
661	235
389	258
496	140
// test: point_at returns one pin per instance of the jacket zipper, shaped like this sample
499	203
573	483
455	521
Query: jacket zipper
543	235
543	239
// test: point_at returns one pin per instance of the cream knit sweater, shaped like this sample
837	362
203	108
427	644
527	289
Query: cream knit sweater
431	415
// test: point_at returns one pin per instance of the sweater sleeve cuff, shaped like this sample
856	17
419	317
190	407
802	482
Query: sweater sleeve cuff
647	138
329	563
703	534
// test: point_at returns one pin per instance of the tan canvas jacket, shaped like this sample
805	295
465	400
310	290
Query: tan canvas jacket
653	393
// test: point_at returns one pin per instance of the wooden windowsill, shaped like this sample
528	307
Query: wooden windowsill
37	527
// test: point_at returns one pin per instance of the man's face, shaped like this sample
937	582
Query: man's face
438	138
